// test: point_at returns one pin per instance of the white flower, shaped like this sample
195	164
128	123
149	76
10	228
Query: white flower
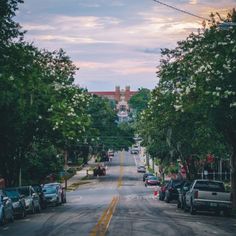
178	107
233	104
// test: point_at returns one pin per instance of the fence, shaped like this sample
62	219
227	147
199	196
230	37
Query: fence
222	176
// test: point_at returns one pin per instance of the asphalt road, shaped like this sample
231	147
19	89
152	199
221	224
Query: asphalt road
118	204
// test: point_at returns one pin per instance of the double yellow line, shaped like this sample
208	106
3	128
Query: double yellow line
101	227
119	184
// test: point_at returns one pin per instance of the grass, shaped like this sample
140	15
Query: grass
76	185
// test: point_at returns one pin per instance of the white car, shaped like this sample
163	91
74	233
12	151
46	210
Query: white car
32	199
141	169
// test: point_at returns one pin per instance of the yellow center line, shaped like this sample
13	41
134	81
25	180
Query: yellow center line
101	227
119	184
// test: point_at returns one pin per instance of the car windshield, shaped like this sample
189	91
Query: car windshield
13	194
37	188
152	178
177	184
50	190
24	191
210	186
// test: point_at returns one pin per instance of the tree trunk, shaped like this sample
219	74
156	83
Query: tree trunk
233	176
65	165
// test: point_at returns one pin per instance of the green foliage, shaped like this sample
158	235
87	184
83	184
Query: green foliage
139	101
192	110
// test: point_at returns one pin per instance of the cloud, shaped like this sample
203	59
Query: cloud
71	39
38	27
85	22
193	2
113	42
150	50
125	67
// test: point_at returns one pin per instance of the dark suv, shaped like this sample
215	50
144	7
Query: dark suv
172	192
39	190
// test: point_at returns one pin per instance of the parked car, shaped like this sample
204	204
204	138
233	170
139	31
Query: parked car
208	195
145	175
32	200
39	190
172	192
134	149
52	194
6	209
110	153
18	202
141	169
182	194
62	190
152	181
162	191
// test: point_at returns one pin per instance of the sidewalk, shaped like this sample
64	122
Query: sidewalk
83	176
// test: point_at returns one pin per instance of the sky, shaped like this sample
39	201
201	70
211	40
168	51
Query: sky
113	42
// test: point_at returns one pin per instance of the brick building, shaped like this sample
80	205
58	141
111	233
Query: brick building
122	97
117	94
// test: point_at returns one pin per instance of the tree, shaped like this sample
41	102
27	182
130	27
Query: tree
196	96
139	101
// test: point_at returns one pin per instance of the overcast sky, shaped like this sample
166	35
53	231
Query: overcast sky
114	42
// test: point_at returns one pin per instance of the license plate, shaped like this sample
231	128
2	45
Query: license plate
213	204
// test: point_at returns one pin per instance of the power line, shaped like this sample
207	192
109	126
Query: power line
180	10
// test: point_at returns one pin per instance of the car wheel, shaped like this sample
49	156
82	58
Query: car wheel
2	220
166	199
192	210
12	218
23	214
33	210
227	213
39	209
178	204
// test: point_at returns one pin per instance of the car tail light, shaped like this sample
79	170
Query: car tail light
196	194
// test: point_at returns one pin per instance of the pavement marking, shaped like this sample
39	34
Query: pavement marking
119	184
101	227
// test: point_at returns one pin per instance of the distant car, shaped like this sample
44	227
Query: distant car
134	149
172	192
18	202
182	194
32	200
6	209
162	191
152	181
110	153
38	188
141	169
61	189
145	175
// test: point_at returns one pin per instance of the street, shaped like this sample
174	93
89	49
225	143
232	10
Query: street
118	204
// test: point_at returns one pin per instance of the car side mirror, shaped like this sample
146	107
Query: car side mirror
5	199
185	189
